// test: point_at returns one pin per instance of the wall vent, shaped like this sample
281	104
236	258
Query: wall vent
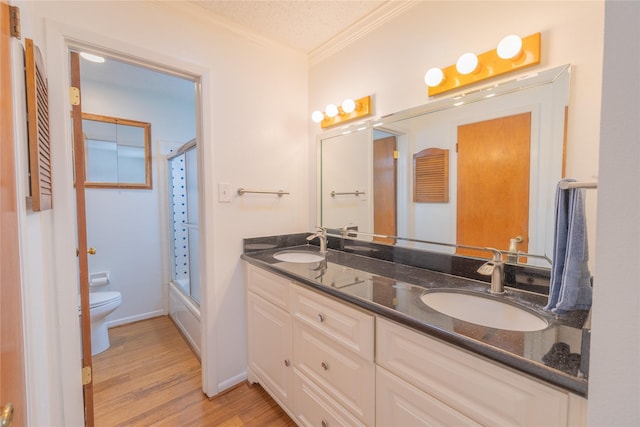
431	172
38	129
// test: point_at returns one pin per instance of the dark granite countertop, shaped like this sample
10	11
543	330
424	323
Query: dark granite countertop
393	290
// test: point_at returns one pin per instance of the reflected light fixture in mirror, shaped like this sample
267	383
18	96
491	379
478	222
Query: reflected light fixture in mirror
92	58
348	110
512	53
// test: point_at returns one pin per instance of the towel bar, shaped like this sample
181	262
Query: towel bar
565	185
242	192
355	193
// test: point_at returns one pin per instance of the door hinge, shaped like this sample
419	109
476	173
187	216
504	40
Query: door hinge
396	154
456	147
86	375
14	22
74	95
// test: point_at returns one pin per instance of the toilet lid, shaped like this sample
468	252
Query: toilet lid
96	299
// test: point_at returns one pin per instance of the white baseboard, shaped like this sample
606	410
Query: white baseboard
136	318
232	382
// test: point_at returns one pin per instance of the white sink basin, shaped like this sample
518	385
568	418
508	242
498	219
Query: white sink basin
483	311
302	257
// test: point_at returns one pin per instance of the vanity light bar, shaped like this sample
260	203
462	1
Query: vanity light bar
359	108
489	64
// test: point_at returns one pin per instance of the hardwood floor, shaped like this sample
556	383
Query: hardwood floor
150	377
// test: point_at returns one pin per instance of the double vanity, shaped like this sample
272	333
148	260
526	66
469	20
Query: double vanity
372	334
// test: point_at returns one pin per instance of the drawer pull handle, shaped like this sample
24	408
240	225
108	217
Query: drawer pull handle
287	363
325	423
320	317
325	366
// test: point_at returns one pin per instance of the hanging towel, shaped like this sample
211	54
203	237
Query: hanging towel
570	287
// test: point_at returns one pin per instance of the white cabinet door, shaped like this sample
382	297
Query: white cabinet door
398	403
481	390
270	348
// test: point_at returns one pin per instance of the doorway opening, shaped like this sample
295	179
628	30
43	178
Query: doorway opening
129	225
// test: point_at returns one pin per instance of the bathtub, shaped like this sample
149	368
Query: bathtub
186	315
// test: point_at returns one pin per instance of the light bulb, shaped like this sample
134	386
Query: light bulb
348	105
467	63
510	47
91	57
433	77
317	116
331	110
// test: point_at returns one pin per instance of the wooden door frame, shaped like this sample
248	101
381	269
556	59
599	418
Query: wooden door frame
12	368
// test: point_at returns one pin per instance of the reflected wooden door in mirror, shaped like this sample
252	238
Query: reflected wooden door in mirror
117	152
493	183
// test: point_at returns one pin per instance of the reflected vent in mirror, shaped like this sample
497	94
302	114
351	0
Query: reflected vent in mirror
431	172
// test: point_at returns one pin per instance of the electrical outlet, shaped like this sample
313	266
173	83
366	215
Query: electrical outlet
224	192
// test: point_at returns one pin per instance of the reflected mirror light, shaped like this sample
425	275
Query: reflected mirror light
92	58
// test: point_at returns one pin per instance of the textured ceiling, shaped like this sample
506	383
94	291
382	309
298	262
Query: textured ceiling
301	24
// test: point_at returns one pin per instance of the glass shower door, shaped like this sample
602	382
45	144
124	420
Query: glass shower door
183	201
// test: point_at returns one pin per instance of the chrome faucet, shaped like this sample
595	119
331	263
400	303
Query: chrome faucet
321	234
495	269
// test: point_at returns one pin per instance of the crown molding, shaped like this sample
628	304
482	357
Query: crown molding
359	29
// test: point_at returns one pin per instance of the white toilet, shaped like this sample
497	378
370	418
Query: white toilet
101	305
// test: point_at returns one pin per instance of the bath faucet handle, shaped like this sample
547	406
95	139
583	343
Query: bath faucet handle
487	268
497	255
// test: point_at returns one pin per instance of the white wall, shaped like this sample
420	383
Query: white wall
129	227
254	135
614	384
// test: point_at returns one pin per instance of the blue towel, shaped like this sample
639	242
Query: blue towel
570	287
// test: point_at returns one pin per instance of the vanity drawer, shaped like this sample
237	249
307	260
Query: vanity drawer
343	324
398	403
477	388
314	408
342	374
269	286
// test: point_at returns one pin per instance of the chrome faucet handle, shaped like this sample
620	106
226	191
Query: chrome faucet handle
497	255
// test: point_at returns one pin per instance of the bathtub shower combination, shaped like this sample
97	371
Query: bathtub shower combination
184	290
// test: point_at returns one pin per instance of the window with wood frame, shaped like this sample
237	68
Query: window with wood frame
38	129
431	176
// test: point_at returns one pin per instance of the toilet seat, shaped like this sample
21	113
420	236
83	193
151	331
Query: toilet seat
98	299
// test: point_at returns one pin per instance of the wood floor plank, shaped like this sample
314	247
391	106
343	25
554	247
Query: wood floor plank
150	377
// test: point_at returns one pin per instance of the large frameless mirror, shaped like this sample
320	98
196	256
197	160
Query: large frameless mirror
117	152
495	187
